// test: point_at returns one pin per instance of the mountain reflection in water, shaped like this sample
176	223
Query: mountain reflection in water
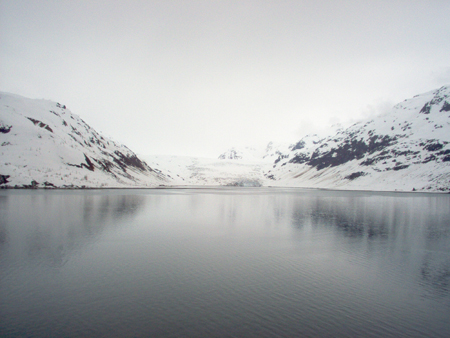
48	226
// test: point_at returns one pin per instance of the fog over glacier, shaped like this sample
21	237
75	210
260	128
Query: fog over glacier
194	78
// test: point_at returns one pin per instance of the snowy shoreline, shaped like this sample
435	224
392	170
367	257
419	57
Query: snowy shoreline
221	187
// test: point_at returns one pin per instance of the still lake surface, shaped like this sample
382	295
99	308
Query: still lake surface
224	262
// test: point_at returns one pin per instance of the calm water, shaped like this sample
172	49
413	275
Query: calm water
231	262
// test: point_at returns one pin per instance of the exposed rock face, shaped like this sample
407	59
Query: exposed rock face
4	129
44	145
4	179
231	154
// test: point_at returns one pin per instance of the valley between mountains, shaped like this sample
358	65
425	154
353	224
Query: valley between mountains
44	145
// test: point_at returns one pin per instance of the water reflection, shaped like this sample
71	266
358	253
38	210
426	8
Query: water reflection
372	216
413	230
48	225
435	271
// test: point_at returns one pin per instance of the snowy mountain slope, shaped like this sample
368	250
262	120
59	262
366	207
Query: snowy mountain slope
44	145
405	149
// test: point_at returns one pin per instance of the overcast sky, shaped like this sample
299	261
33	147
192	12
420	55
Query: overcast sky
197	77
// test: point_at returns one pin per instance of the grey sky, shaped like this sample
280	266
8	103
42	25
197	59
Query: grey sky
196	77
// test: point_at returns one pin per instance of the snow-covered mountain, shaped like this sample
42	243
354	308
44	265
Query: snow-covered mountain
42	144
405	149
231	154
266	153
254	153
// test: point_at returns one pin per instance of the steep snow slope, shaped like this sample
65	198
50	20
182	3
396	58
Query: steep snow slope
44	145
406	149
